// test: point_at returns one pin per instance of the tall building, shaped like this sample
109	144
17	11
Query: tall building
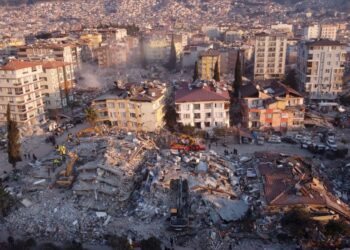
20	87
321	31
58	82
270	56
132	107
69	53
321	68
206	64
272	105
203	105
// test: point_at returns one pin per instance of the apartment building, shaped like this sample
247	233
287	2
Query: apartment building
321	31
65	52
202	104
111	54
58	82
206	64
272	105
157	47
320	68
132	107
191	54
270	56
20	86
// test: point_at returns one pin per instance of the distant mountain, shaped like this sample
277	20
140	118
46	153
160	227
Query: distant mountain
20	2
337	4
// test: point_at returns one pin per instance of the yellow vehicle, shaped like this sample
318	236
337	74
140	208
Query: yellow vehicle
66	177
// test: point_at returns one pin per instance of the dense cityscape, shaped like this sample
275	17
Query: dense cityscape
184	124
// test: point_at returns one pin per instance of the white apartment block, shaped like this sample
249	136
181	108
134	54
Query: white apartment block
20	86
324	31
270	56
321	68
202	106
58	82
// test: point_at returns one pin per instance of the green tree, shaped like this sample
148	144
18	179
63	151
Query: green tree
151	244
291	79
170	111
216	76
172	58
91	116
195	72
13	144
238	77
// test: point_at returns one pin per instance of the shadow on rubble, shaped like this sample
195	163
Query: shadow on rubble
31	244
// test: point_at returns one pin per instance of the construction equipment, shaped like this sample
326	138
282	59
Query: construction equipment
66	177
186	143
179	219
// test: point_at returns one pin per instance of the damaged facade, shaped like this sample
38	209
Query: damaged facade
133	106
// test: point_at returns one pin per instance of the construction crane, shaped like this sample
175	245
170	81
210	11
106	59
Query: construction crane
66	177
179	219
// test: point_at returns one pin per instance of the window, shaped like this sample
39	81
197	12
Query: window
268	116
207	106
121	105
197	116
207	115
196	106
186	116
111	105
123	114
131	105
207	124
218	105
133	115
284	115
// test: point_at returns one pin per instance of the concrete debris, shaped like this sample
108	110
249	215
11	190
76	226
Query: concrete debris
27	203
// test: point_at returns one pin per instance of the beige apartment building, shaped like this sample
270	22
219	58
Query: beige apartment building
206	64
270	56
20	86
58	82
321	66
133	107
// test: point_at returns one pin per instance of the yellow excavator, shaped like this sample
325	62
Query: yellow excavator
66	177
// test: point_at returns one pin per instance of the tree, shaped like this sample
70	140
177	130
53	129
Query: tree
172	58
91	116
238	77
13	144
216	76
142	53
170	111
195	72
151	244
291	79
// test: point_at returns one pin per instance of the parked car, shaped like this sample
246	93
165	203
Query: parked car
274	139
289	139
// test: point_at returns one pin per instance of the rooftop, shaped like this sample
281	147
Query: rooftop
200	92
16	65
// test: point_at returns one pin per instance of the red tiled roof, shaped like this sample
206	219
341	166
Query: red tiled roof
53	64
16	65
184	94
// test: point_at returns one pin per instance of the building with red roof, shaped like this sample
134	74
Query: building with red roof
202	104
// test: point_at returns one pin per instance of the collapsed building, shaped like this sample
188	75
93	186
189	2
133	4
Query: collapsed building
291	183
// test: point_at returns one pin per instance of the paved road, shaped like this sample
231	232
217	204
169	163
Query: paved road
35	145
